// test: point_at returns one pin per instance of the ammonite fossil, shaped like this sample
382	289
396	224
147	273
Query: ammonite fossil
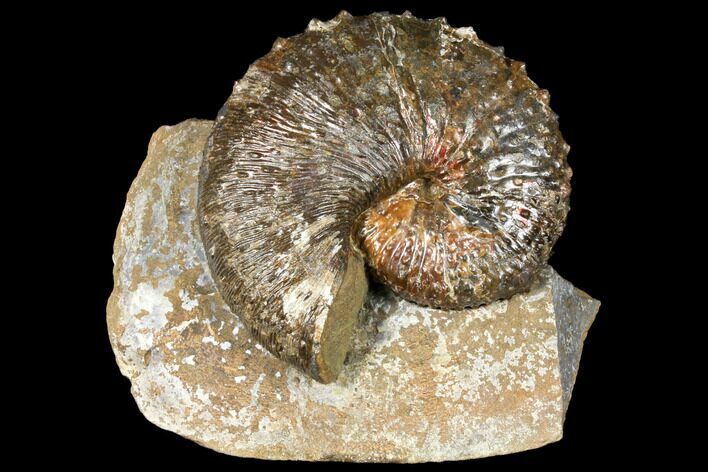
384	142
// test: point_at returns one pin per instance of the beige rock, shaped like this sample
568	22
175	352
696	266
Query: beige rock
419	385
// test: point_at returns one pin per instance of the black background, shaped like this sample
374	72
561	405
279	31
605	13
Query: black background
141	69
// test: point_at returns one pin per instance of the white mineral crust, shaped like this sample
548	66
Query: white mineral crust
419	384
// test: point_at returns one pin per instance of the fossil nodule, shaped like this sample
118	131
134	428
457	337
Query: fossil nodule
388	141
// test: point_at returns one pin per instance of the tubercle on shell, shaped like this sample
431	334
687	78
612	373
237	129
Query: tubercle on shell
387	141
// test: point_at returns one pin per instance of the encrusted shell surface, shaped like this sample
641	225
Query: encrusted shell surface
385	140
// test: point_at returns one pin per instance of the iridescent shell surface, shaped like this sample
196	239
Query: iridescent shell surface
386	141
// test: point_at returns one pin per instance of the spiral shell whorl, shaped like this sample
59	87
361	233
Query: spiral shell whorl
404	141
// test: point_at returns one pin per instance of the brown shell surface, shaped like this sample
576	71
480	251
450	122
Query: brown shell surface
405	143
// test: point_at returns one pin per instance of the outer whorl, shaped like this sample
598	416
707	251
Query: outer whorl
384	140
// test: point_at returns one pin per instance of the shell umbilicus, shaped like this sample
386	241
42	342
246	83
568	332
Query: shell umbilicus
384	141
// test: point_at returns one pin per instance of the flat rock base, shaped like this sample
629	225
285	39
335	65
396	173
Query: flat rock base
419	385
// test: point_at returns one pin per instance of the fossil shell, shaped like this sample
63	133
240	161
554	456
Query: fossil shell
384	141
